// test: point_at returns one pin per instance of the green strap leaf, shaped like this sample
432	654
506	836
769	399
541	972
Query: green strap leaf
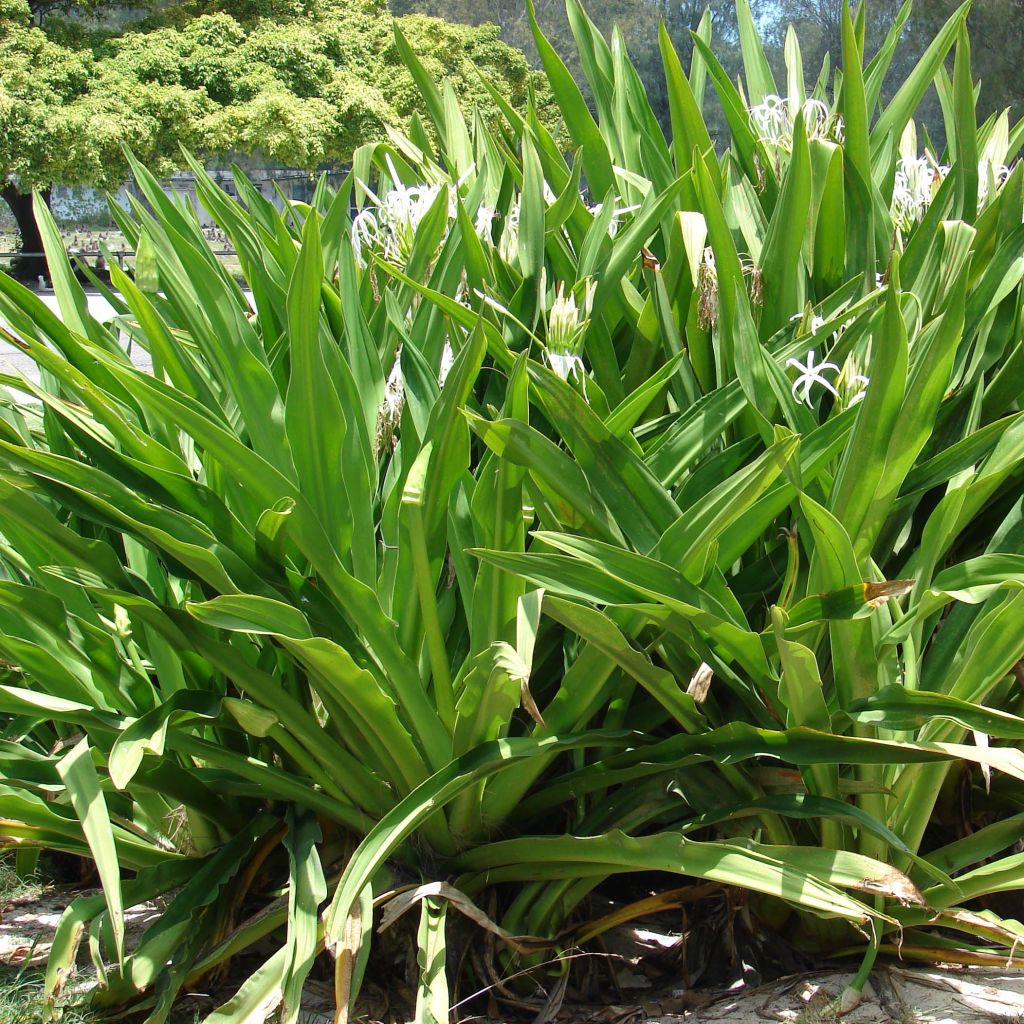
306	891
82	783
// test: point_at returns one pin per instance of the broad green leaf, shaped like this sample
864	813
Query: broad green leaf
760	82
579	122
603	634
314	415
809	878
689	131
306	891
82	782
783	244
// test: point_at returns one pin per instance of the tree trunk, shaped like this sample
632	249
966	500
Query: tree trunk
30	264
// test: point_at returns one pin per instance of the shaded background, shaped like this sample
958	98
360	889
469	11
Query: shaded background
997	37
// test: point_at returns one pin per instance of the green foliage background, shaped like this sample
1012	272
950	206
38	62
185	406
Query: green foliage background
300	84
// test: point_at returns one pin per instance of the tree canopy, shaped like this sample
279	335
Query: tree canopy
299	83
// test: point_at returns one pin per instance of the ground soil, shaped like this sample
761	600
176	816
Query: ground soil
898	994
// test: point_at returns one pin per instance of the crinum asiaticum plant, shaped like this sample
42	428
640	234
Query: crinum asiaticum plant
528	534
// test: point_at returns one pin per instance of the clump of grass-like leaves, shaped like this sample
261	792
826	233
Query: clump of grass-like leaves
518	534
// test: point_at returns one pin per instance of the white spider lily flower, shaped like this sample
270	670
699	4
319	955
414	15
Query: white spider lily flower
394	391
852	383
566	365
848	387
447	359
913	188
390	225
816	322
618	214
567	324
484	221
990	175
402	212
809	375
508	243
858	385
773	120
820	122
365	234
918	178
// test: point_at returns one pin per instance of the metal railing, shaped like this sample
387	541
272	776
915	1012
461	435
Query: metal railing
90	258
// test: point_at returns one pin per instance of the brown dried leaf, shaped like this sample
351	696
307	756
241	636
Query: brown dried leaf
394	909
876	594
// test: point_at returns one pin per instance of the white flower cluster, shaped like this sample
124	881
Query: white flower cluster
918	179
389	224
773	120
915	183
567	324
990	175
849	385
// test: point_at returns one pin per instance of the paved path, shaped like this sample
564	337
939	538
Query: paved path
14	361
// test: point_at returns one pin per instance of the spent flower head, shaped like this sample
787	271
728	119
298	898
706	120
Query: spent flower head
707	290
389	415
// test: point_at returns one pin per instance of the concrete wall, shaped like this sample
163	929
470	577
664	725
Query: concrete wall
80	204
